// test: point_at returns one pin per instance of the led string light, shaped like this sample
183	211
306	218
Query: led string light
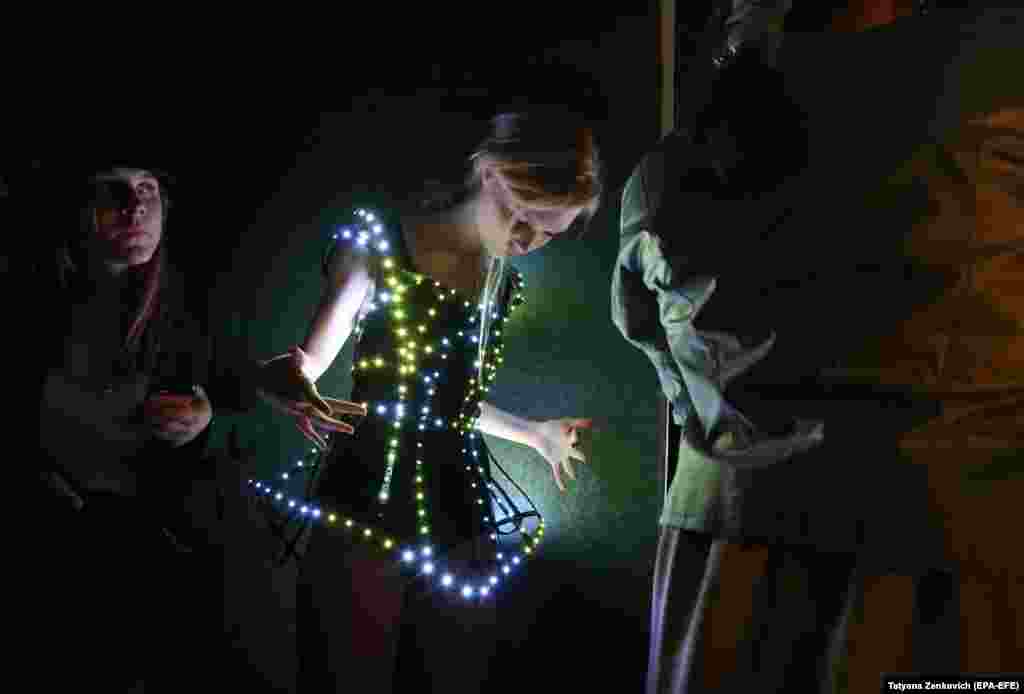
418	338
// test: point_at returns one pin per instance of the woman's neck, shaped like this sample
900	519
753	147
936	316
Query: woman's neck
454	230
447	245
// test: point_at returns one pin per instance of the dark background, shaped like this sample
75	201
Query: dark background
269	148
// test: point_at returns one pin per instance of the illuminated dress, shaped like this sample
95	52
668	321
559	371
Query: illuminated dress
415	479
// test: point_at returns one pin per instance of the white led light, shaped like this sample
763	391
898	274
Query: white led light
484	590
284	475
494	580
505	569
377	228
408	556
381	409
279	496
467	592
383	245
304	509
515	560
316	513
370	218
428	567
347	234
447	580
427	551
291	504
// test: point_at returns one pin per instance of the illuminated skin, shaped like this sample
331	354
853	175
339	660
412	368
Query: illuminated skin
128	227
128	216
488	222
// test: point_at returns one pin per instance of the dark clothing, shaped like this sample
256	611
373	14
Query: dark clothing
420	482
791	639
126	587
420	486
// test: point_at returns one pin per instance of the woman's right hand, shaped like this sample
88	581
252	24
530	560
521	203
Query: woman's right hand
285	386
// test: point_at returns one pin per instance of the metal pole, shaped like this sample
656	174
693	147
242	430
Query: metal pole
666	121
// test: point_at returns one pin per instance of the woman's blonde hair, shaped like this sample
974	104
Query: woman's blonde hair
546	159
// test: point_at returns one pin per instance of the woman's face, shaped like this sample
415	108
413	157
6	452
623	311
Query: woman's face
511	229
128	213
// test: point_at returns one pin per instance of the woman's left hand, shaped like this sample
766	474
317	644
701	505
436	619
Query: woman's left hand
177	419
558	441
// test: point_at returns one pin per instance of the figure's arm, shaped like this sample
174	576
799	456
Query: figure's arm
655	302
505	425
287	381
348	281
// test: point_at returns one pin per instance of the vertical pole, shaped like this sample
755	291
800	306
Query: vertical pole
666	121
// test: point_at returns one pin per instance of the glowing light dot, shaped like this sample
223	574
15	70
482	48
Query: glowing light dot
467	592
505	569
447	580
284	475
515	560
408	556
370	217
331	518
291	504
348	523
279	496
494	580
381	409
377	228
367	532
388	544
428	568
484	591
427	551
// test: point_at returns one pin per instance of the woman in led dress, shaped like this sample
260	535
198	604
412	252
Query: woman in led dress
426	293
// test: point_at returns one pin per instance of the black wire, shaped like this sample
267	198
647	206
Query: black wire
519	516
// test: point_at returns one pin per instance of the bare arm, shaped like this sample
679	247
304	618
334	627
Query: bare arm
507	426
348	281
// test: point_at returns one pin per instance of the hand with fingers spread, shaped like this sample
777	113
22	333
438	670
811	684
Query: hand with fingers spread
558	440
283	383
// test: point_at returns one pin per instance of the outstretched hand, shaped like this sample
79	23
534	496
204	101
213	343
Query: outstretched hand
558	441
285	386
